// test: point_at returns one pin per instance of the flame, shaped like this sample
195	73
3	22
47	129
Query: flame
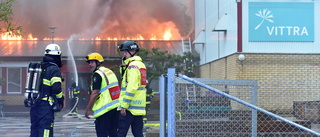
31	38
167	35
10	36
55	38
164	31
98	38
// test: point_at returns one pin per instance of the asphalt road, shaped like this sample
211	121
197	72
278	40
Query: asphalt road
65	126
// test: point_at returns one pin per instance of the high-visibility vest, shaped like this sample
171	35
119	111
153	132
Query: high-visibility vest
133	86
108	98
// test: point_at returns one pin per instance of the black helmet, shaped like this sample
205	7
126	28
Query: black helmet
130	45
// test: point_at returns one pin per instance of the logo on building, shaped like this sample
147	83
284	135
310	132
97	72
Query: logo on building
281	21
265	15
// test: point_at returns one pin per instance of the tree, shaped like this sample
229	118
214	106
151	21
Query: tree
157	62
6	19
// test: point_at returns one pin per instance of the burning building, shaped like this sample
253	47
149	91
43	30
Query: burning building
85	27
17	54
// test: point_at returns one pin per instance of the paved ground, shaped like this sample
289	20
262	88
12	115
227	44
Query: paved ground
16	123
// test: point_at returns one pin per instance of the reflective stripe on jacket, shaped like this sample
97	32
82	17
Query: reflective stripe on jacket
133	86
108	98
75	91
51	82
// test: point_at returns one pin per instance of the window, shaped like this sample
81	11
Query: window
14	80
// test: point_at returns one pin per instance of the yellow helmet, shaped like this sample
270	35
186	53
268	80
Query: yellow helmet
94	56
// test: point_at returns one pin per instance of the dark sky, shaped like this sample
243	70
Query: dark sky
104	18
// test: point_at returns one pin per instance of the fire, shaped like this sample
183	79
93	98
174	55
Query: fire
167	35
55	38
164	31
98	38
10	36
31	38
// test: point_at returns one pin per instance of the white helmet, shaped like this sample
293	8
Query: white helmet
52	49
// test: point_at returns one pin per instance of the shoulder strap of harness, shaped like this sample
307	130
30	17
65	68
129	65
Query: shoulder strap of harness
105	77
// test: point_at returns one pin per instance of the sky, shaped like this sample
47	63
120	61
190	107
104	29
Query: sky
104	18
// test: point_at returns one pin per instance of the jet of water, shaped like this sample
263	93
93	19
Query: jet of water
89	34
70	54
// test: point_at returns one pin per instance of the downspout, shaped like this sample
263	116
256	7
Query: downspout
239	20
205	27
218	31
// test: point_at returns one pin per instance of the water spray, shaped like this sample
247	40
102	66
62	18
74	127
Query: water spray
88	33
75	74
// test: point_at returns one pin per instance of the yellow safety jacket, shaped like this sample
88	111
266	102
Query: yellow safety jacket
133	86
108	98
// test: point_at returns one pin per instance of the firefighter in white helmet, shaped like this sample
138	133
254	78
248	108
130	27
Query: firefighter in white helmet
50	94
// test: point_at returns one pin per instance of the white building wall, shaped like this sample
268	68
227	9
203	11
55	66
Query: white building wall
211	19
223	43
216	44
227	40
200	26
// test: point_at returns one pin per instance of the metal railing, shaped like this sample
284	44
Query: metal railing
212	107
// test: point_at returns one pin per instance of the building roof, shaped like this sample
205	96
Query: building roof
80	48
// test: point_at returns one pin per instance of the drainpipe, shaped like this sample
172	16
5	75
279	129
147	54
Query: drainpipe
239	20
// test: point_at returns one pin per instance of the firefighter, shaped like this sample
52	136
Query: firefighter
133	90
42	112
104	98
189	68
74	98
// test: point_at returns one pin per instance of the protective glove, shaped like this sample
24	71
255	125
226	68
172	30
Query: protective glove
60	101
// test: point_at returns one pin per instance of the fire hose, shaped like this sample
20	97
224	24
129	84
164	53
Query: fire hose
75	104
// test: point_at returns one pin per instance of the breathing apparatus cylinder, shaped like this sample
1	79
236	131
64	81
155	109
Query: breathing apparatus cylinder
36	81
33	83
29	80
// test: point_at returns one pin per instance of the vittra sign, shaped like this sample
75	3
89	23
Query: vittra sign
281	21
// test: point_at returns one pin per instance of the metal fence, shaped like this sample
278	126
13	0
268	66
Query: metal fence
237	108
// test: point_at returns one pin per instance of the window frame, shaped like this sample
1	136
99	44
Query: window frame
7	81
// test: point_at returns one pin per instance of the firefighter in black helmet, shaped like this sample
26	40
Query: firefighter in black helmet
133	90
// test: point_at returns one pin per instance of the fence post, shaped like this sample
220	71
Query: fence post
171	102
163	91
254	114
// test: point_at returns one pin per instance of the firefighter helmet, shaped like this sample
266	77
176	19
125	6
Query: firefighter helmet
94	56
52	49
130	45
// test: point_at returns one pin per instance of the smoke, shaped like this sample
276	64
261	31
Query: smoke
104	18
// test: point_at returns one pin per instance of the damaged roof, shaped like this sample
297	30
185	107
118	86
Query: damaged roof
80	48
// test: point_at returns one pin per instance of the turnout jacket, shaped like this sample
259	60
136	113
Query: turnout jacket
133	86
51	80
74	92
